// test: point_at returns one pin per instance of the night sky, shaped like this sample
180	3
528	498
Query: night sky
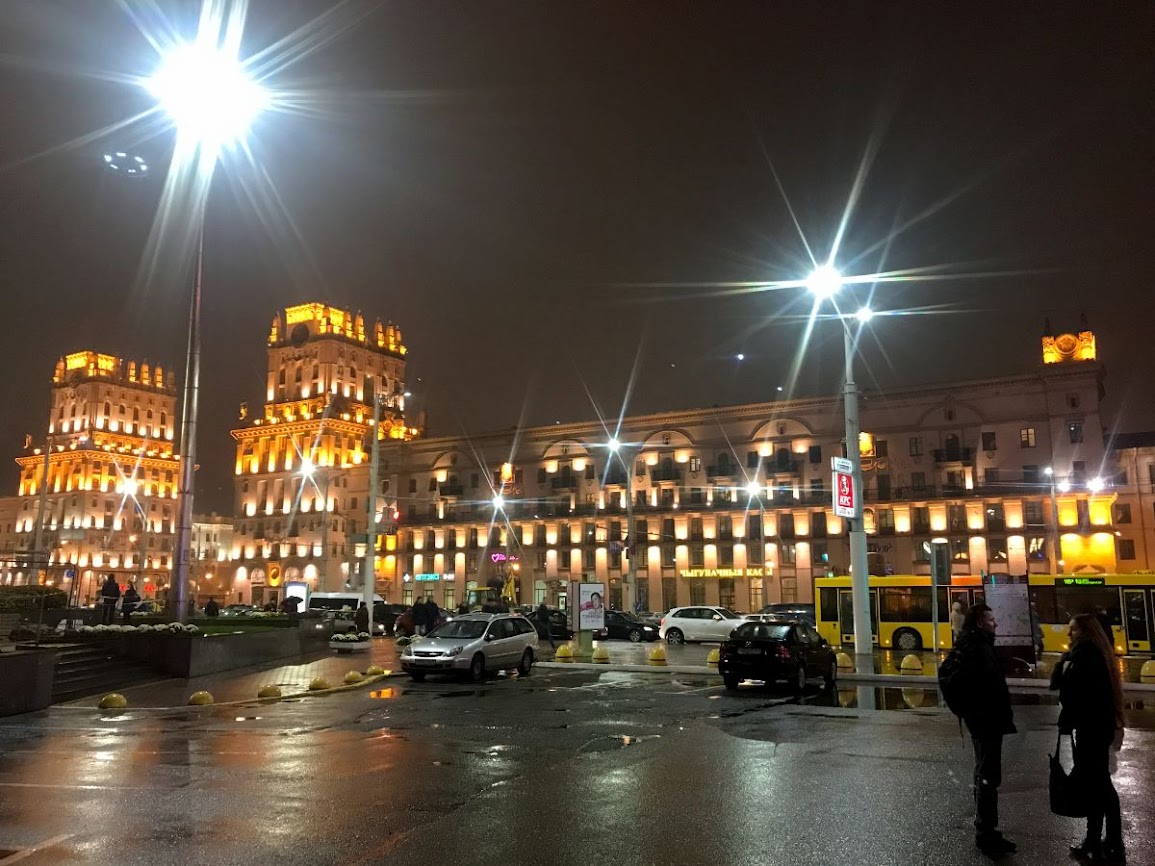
519	186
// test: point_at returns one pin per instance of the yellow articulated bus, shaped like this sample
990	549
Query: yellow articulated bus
900	608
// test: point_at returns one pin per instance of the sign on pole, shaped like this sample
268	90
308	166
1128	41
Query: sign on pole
844	493
591	606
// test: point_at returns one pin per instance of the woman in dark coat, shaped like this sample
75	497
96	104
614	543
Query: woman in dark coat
1091	695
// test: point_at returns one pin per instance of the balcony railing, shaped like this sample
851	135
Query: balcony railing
450	489
665	473
564	482
722	470
954	455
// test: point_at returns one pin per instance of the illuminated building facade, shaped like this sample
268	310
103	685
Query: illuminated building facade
732	505
1133	455
112	479
210	552
302	463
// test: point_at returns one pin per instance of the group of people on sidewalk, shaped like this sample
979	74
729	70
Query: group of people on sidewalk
111	599
1091	698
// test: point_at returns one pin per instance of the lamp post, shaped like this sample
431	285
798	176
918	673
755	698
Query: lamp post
1056	540
615	448
824	283
310	471
208	95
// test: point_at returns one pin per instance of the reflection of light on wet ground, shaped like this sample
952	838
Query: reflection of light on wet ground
247	719
384	694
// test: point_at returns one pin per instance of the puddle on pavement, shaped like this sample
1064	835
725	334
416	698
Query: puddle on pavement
615	743
386	694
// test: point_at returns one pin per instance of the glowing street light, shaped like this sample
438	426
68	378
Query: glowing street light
614	445
499	501
205	90
824	283
753	488
207	93
1095	484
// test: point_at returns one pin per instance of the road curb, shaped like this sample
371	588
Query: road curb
344	687
893	680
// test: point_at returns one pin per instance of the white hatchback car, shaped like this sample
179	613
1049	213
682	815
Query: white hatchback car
476	644
698	623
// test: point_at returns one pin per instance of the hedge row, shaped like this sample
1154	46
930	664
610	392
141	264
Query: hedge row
21	598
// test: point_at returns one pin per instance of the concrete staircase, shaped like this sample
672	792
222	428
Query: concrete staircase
93	668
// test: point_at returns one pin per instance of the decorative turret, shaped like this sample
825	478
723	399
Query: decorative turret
1067	347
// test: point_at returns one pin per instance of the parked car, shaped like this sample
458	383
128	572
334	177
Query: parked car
238	609
339	600
698	623
775	650
559	627
403	624
792	610
474	644
343	621
621	625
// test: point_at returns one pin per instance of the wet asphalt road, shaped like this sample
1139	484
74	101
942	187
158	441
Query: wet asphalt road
565	767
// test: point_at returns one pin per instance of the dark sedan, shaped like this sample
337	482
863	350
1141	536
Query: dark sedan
559	627
621	625
772	651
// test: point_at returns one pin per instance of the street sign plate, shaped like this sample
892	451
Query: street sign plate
845	496
841	464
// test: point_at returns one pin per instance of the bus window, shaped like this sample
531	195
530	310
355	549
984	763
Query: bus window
828	604
904	604
1043	598
1072	600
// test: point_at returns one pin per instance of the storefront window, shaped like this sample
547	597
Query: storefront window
726	593
669	593
450	602
697	592
757	601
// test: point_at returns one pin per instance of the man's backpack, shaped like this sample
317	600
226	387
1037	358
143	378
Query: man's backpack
954	683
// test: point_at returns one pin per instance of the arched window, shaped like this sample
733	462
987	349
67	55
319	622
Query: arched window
164	420
951	442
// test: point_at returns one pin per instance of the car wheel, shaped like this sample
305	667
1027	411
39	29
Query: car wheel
417	678
675	636
907	639
526	667
477	668
635	636
731	681
799	682
831	676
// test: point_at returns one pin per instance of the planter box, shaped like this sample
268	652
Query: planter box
343	646
190	656
27	681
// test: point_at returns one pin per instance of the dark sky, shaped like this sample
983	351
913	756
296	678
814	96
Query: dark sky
501	178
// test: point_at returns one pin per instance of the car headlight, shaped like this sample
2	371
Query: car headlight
647	628
455	651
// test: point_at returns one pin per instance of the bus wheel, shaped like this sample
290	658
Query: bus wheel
907	639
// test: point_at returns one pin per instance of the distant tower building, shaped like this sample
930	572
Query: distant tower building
1061	348
307	452
112	479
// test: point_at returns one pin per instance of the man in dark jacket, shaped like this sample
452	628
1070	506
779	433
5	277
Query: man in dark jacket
420	617
543	627
129	602
109	594
988	717
432	615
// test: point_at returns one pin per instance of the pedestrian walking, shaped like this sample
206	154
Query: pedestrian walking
432	615
129	602
978	693
212	608
420	617
109	594
361	618
543	619
1091	694
957	618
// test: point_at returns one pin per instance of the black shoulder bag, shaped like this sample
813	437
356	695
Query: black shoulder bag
1067	796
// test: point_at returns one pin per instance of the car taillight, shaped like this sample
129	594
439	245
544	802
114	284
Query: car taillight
661	622
725	650
784	652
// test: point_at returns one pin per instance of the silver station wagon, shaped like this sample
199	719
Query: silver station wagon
475	644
